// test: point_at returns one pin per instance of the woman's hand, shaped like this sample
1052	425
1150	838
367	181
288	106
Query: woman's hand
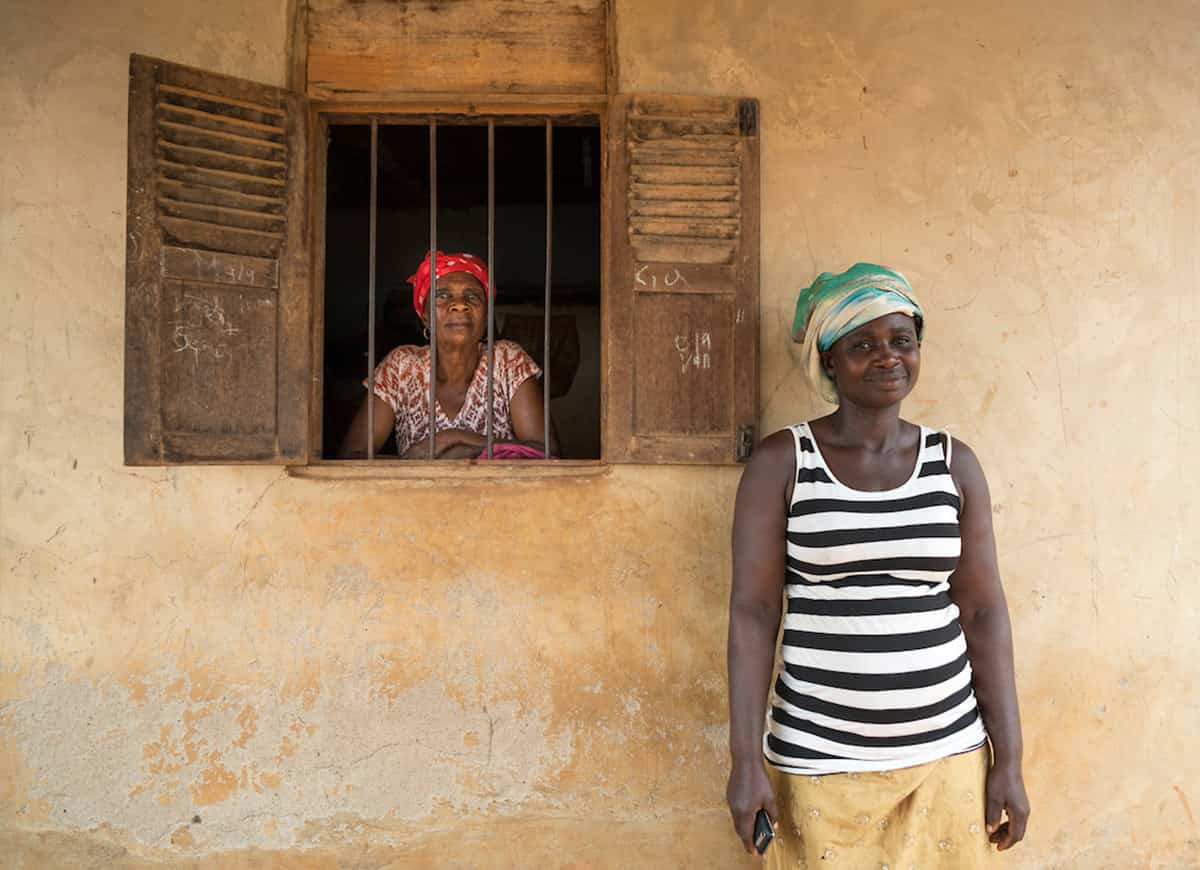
450	439
451	444
1006	794
748	791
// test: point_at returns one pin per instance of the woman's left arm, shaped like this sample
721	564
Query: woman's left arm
976	589
528	417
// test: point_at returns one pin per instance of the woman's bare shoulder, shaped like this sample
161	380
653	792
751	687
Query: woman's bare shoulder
768	476
776	450
966	469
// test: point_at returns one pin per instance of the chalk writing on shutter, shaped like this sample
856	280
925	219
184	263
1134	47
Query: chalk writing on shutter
685	270
216	271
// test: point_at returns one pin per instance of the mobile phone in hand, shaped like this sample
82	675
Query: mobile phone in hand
764	832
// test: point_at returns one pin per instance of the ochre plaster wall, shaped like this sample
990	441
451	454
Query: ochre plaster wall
230	667
1032	168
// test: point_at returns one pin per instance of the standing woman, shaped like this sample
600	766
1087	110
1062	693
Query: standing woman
893	737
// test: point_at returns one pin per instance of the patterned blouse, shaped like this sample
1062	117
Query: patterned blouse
402	380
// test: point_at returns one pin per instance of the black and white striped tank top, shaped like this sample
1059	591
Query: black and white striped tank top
874	672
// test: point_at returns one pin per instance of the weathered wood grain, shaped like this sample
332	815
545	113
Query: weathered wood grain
217	296
380	47
211	195
683	360
684	237
215	267
143	251
218	350
234	217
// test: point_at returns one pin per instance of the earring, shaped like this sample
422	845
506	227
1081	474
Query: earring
426	331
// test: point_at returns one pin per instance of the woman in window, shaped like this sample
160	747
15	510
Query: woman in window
896	663
401	390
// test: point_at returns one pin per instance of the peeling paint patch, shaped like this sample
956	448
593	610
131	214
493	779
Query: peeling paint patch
216	783
265	770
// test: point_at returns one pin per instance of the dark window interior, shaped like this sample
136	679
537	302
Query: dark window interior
518	270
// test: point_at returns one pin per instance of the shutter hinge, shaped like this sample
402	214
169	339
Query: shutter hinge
745	442
748	117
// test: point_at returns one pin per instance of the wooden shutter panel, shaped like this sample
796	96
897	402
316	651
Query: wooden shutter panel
681	344
217	350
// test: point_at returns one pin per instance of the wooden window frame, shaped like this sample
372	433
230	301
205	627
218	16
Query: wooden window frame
454	110
679	190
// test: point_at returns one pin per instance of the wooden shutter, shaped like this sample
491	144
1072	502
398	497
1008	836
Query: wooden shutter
216	277
681	342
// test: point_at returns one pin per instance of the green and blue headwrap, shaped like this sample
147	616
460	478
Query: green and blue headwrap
834	305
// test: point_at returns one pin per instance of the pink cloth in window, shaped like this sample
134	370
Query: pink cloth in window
512	451
402	380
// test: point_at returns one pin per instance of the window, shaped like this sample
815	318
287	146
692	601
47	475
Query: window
517	267
221	338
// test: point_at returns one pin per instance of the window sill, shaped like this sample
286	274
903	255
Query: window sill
463	470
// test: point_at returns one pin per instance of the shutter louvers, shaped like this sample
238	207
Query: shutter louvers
682	341
217	297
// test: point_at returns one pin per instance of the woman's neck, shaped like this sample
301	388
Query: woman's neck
873	428
457	364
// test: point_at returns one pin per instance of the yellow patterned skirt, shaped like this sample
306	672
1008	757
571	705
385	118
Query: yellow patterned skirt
917	818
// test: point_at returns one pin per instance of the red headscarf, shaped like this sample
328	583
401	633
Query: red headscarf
446	263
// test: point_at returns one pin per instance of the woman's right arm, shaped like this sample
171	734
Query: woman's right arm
755	607
354	445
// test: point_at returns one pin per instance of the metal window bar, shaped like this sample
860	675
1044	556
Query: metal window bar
371	292
432	299
546	312
432	289
491	288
